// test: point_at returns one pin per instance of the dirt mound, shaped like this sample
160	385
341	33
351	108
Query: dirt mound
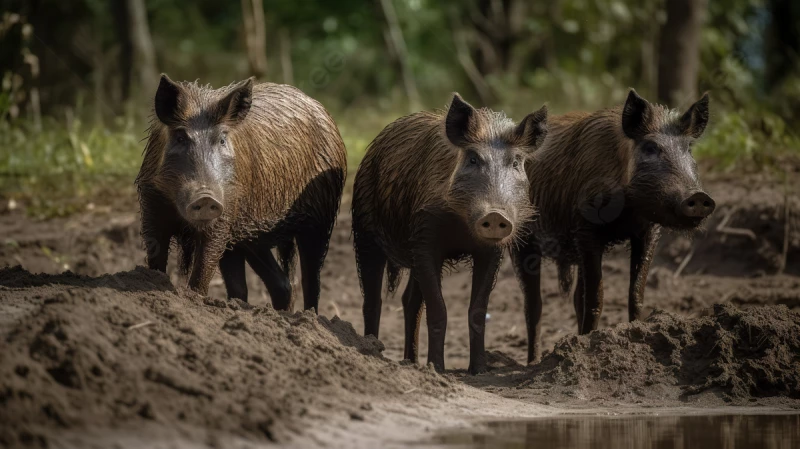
754	231
739	354
129	352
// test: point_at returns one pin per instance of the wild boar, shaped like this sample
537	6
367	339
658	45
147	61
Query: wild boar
434	189
230	173
600	179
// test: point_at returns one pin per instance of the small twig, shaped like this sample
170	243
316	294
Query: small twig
336	311
410	391
683	264
722	227
140	325
726	218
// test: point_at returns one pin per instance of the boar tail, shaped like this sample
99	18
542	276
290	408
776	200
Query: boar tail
392	276
565	277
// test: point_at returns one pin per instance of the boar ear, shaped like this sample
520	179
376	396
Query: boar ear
233	108
457	122
167	100
635	115
694	121
532	130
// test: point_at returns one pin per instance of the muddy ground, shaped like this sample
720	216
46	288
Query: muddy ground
79	355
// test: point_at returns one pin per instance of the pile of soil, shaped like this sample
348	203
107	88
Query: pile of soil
128	351
755	230
736	354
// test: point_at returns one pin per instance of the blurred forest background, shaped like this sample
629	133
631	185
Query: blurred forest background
78	76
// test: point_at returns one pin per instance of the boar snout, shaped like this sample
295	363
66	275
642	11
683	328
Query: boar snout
494	226
697	205
203	207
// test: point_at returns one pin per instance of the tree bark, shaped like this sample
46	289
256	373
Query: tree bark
144	54
395	34
679	51
255	30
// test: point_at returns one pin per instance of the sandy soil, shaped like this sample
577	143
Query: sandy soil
78	358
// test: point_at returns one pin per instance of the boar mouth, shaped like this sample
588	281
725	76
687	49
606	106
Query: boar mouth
679	223
689	224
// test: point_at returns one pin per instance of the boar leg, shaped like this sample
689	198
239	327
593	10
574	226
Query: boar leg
278	284
412	312
207	254
578	299
157	247
642	249
158	227
231	266
484	274
428	275
312	246
371	261
528	265
592	275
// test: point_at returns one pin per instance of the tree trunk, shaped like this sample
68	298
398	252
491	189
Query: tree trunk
144	55
255	31
679	51
499	27
483	88
119	11
286	56
783	40
395	34
649	74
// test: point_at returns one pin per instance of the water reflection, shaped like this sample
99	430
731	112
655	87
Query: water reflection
638	432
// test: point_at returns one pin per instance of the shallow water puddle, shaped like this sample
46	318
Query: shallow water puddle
637	431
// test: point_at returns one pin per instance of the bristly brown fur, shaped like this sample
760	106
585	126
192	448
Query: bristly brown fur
408	169
584	155
432	190
290	166
604	178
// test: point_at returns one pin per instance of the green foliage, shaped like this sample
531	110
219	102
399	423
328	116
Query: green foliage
571	54
60	168
736	141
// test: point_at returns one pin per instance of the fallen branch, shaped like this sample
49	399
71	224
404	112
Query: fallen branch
722	227
683	264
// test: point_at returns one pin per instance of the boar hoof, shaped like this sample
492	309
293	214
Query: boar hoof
477	368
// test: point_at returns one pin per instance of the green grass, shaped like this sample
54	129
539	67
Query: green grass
61	168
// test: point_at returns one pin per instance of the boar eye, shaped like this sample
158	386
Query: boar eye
180	138
222	141
473	160
651	149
